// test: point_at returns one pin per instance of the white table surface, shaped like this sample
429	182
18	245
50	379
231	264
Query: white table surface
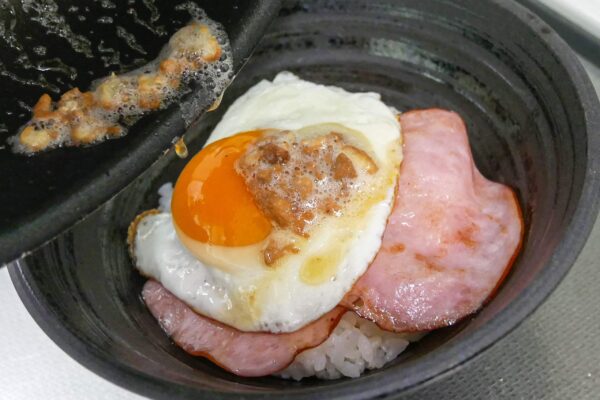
33	367
585	13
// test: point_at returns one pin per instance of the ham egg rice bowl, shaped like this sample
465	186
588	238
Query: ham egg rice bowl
318	233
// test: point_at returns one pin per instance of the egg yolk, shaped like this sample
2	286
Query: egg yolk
211	203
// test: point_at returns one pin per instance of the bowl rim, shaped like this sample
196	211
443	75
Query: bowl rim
427	367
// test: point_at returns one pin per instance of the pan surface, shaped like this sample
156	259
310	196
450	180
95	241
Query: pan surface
533	121
51	46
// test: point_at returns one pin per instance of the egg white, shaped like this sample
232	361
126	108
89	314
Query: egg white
232	284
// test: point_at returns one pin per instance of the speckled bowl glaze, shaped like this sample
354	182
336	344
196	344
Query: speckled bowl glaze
533	120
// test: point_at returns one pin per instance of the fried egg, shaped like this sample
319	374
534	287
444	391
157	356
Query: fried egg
282	211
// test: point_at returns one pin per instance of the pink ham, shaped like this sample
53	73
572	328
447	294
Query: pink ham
243	353
449	240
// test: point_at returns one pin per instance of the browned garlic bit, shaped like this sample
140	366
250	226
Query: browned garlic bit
90	117
195	44
276	249
118	94
297	180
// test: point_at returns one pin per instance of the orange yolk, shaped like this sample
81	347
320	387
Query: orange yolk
211	203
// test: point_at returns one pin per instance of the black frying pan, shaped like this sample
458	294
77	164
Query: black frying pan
51	46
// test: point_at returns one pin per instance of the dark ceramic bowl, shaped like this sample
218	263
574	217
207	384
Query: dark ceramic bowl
533	120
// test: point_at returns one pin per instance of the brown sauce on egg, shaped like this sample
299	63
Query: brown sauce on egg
275	250
295	180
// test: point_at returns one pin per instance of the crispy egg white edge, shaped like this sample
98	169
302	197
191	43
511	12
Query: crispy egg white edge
290	305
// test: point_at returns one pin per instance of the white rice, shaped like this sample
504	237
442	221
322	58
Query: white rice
355	345
164	202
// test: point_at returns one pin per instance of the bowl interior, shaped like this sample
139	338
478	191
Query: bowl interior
523	97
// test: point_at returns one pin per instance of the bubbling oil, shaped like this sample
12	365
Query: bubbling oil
47	14
117	101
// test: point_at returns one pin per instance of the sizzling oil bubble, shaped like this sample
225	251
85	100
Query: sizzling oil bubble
40	50
107	4
57	65
157	30
130	40
154	12
110	56
193	9
105	20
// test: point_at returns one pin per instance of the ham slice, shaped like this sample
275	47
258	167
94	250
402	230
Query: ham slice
450	239
243	353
